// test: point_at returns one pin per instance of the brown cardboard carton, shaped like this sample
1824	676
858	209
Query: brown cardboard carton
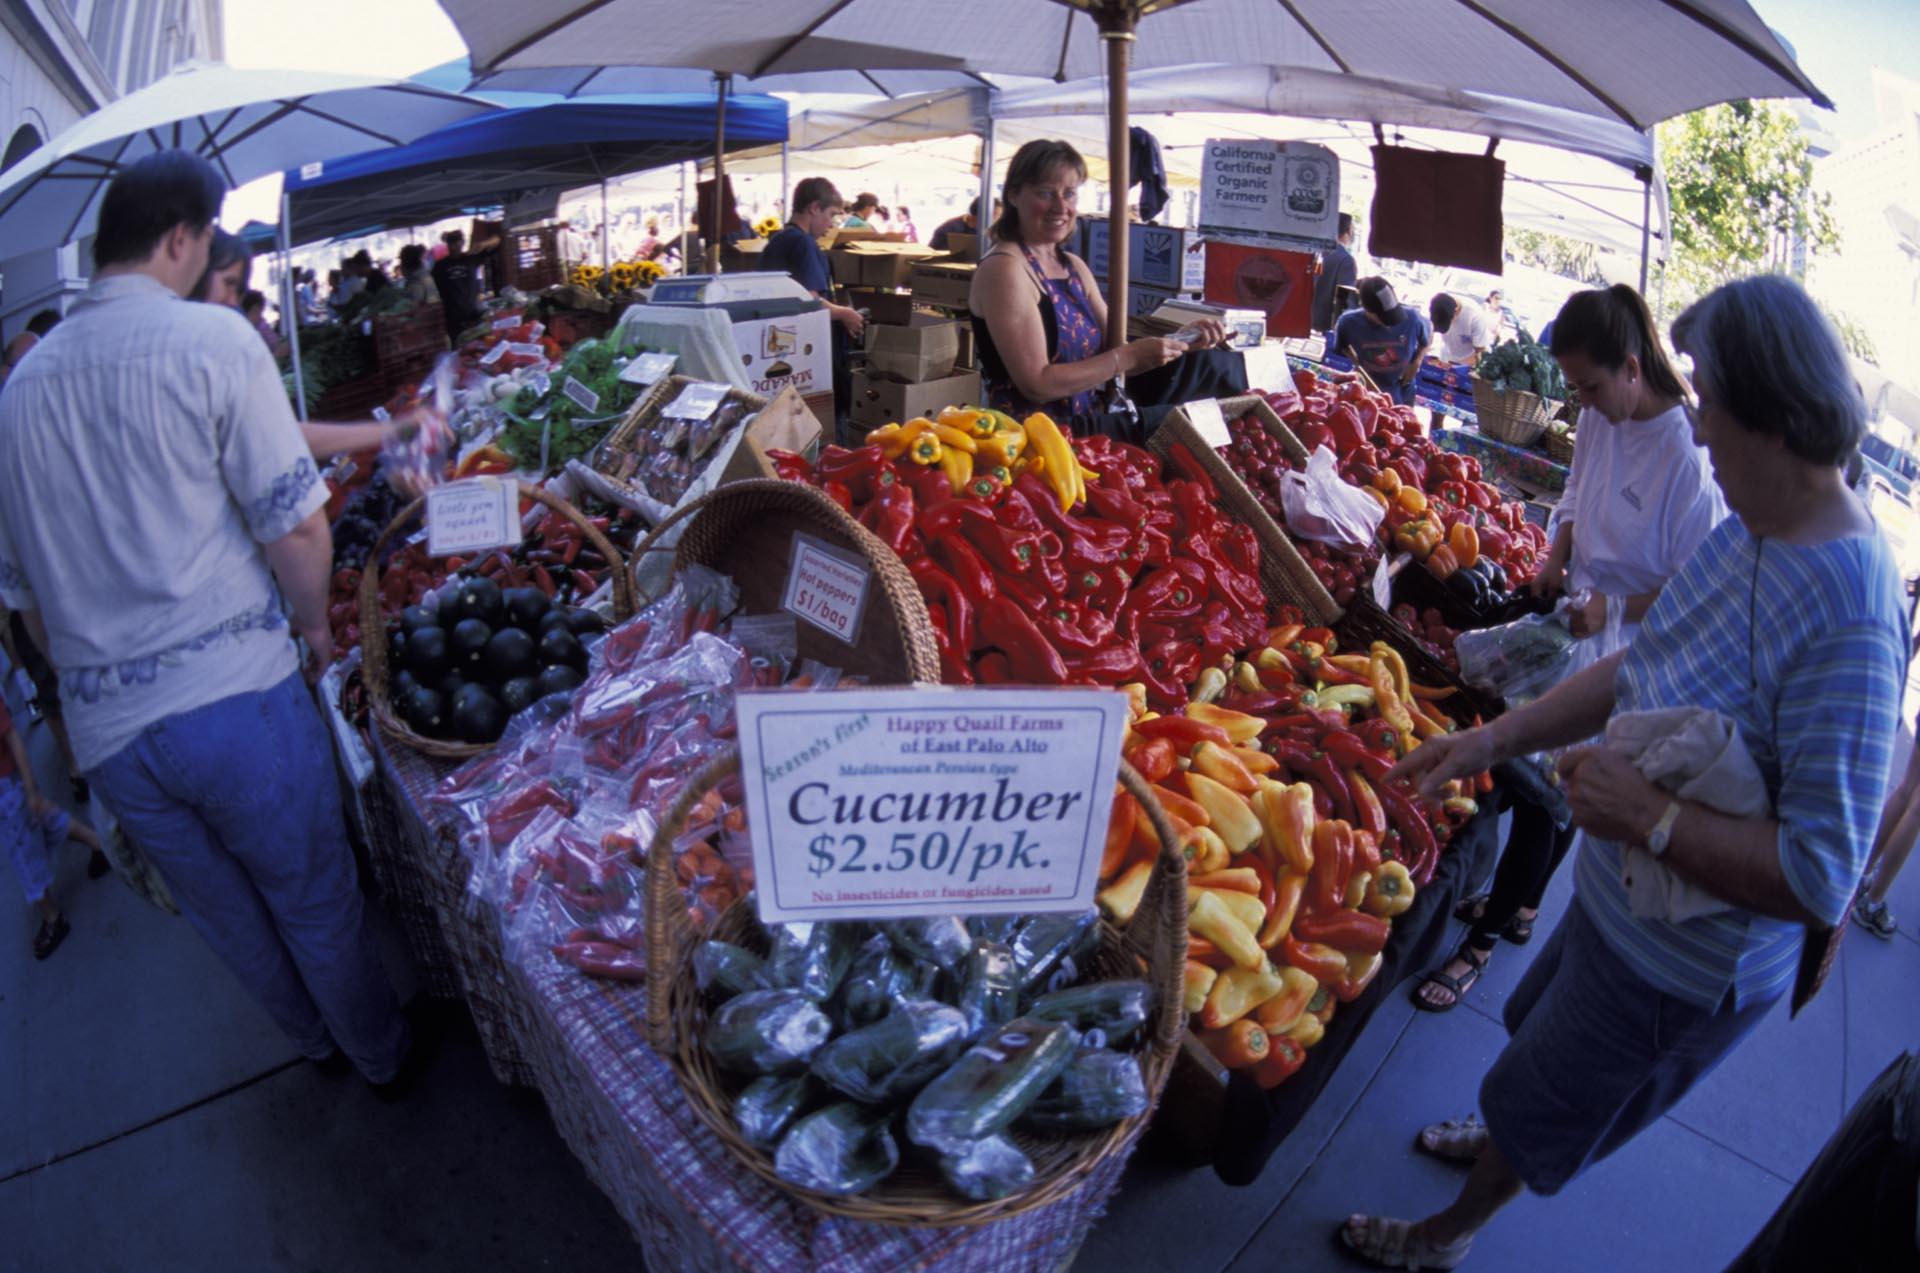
943	283
784	424
927	348
876	263
879	402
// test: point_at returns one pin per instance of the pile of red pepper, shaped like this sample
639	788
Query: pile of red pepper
1145	581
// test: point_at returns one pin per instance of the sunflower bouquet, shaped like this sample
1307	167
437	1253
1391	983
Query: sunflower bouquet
768	226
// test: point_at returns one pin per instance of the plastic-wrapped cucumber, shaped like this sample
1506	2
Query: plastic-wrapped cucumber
842	1149
880	977
767	1032
1053	950
1000	928
893	1058
1097	1090
813	957
768	1106
990	995
941	940
991	1085
987	1169
1106	1013
787	953
724	970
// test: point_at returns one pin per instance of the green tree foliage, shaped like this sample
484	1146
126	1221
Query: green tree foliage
1556	254
1741	184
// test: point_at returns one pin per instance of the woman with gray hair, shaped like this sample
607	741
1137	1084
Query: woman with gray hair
1786	623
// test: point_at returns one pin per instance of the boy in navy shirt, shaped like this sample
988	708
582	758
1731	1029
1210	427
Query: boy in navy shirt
1384	338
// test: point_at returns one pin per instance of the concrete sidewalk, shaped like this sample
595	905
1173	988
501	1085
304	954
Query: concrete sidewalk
152	1119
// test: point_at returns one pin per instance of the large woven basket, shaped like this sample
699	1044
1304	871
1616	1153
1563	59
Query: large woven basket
374	672
1153	946
1511	415
1559	446
745	530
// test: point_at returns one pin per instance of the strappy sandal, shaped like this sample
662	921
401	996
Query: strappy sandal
52	933
1519	931
1458	987
1456	1140
1390	1244
1468	910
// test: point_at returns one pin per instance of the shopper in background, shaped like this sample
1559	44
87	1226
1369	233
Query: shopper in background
1788	623
1338	274
1384	338
229	266
1892	844
1465	332
166	620
967	222
17	348
416	275
861	211
904	223
795	249
1639	500
253	308
307	296
460	280
35	829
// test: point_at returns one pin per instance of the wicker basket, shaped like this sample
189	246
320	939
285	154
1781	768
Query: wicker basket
1153	945
1559	446
745	530
1510	415
607	456
373	625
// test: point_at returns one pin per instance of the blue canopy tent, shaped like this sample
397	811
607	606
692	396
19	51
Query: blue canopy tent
513	154
512	157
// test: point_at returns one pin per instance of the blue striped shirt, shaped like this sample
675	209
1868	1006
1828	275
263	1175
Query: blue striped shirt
1805	648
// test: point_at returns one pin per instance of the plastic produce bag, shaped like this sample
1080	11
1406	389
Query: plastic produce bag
1321	505
1052	950
1097	1090
941	940
987	1169
767	1107
896	1056
723	970
767	1032
878	978
1518	660
990	996
842	1149
990	1085
1106	1013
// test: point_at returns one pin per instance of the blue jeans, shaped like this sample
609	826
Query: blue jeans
1595	1055
237	805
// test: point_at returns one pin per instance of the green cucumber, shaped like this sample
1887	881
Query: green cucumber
991	1085
1116	1010
1097	1090
767	1032
842	1149
893	1058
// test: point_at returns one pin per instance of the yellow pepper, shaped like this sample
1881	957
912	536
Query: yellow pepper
957	439
895	440
1003	448
925	449
1059	467
1390	892
957	464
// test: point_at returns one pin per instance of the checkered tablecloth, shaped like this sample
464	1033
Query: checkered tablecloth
1504	460
620	1106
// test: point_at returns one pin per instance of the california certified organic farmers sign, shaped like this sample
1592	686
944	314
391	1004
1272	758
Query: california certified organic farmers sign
1282	193
891	803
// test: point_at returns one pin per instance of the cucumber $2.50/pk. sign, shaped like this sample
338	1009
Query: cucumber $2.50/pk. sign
890	803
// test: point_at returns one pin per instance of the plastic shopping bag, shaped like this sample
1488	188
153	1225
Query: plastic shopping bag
1519	660
1321	505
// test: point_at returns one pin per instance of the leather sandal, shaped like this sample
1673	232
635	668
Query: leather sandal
1519	931
1456	1140
52	933
1390	1244
1476	961
1468	910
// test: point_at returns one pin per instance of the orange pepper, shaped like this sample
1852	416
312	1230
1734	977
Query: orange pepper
1119	846
1288	888
1237	1046
1284	1058
1465	542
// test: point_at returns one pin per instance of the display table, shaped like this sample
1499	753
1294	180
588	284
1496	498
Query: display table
618	1104
1503	459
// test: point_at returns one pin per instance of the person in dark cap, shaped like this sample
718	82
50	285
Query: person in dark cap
1384	338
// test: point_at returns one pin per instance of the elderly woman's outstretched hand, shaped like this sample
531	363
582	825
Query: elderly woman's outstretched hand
1439	760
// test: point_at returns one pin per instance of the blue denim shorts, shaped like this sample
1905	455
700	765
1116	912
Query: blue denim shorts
1595	1056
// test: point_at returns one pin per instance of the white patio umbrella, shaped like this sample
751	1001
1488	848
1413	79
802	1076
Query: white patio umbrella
248	123
1638	61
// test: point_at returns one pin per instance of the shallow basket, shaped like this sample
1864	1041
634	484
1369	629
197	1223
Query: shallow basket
374	671
745	530
1559	446
1510	415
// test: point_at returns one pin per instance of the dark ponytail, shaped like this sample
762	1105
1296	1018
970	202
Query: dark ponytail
1610	325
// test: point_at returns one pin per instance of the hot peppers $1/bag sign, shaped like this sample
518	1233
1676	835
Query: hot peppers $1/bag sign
885	804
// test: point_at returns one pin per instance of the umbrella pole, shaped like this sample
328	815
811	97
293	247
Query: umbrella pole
721	82
786	177
291	306
1646	223
605	263
686	223
984	240
1116	30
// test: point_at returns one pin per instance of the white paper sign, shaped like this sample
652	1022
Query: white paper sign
1282	192
648	369
696	402
887	803
826	586
1209	423
526	349
494	355
583	397
382	414
473	516
502	324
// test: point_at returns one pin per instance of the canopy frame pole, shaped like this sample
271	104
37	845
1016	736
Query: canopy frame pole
1117	32
1646	223
606	262
686	223
722	82
290	306
786	178
984	240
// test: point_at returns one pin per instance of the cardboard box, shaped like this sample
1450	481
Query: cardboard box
943	283
876	264
878	402
1156	254
927	348
892	308
963	247
784	424
792	350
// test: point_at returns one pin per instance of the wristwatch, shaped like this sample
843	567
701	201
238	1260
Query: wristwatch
1662	832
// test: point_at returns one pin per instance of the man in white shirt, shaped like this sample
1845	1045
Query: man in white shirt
1464	330
160	516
